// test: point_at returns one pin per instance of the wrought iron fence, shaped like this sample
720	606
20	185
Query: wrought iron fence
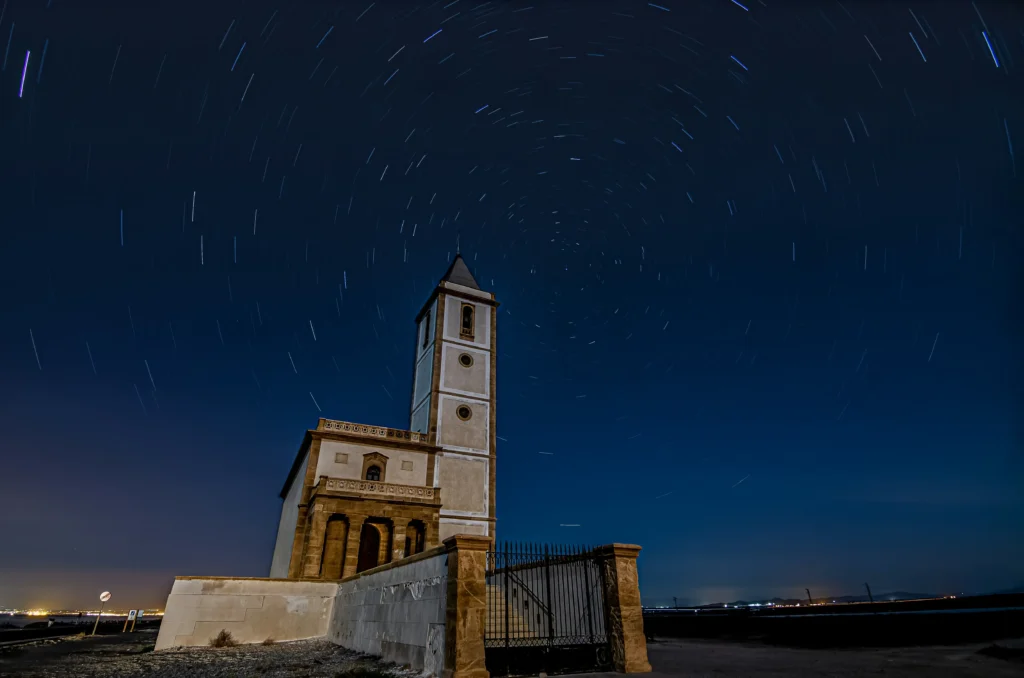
545	610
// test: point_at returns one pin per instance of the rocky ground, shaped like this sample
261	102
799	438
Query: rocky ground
131	655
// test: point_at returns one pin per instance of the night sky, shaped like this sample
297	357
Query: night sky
759	267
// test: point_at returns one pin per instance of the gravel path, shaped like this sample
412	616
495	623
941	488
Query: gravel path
131	655
124	655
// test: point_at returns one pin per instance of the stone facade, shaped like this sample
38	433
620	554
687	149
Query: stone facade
361	496
356	518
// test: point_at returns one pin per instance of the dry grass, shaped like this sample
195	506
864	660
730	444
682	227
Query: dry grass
224	639
268	641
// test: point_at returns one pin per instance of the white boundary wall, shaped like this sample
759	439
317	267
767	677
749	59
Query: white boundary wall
397	613
252	610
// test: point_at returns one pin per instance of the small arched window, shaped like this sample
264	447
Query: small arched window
466	330
373	473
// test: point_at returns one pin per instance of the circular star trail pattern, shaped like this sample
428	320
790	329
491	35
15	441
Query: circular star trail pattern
749	254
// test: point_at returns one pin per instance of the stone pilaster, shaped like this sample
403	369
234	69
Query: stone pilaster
398	541
625	621
334	549
298	544
431	531
355	529
315	542
384	550
467	607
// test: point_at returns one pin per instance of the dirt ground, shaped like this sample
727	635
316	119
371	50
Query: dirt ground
723	659
131	655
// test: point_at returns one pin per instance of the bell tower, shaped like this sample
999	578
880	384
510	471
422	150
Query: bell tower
453	398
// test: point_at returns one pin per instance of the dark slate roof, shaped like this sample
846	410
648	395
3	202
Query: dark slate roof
459	274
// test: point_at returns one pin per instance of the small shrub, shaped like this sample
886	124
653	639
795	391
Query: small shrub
268	641
223	639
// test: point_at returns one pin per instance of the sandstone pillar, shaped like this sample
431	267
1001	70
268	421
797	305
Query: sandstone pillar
315	542
467	607
355	529
431	532
298	544
625	621
384	550
398	542
334	548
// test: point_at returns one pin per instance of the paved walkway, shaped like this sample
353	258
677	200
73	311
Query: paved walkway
717	659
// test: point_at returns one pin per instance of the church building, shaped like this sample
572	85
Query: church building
359	496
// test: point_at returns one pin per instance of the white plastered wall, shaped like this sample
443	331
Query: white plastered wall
449	527
397	614
251	610
331	450
289	519
473	380
481	322
423	371
462	471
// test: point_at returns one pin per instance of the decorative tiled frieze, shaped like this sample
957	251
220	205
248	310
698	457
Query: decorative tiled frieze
378	490
371	431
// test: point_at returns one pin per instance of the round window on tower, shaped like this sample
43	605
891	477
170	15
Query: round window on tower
466	360
463	412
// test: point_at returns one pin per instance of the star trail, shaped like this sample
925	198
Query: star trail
759	262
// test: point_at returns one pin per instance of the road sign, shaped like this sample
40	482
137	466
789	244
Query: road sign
104	597
129	618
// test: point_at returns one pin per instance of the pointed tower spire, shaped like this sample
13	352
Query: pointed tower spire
459	274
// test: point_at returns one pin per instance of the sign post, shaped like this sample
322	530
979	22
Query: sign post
138	616
130	618
104	597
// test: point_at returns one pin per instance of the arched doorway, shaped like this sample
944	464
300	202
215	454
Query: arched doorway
415	538
369	547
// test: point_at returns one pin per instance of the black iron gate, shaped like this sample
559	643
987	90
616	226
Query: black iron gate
545	611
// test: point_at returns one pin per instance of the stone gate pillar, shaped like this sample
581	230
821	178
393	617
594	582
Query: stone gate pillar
625	621
467	607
